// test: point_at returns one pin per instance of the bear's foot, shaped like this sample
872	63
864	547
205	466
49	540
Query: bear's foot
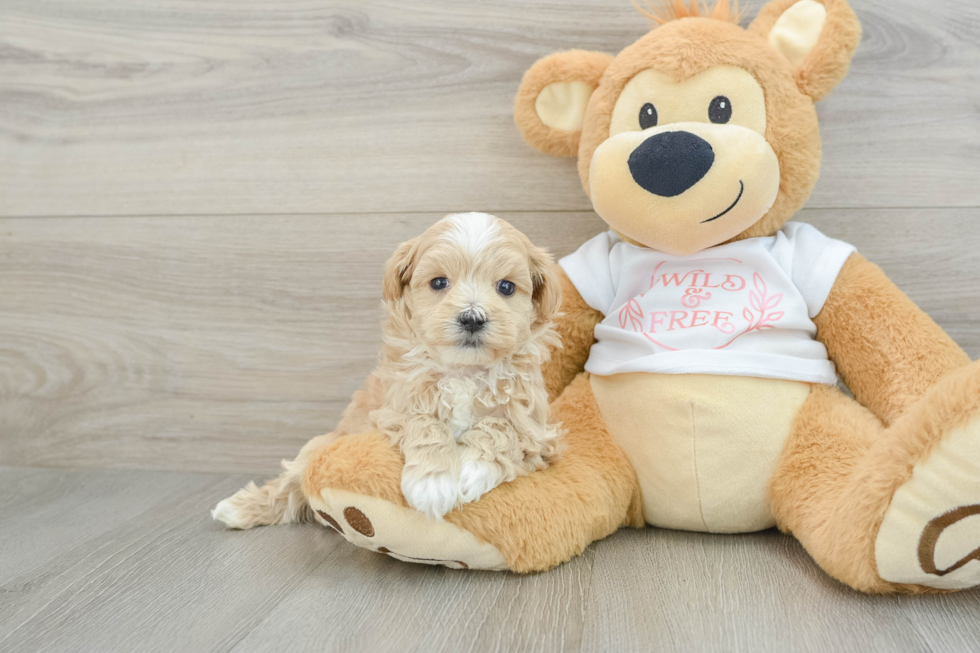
930	534
402	533
353	487
532	523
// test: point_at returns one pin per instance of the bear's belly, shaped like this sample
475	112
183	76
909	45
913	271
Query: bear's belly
704	447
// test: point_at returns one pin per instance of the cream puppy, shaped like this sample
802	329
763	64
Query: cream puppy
468	325
458	387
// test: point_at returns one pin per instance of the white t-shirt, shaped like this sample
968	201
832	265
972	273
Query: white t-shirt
742	309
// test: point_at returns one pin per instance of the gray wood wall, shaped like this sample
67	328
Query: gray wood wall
196	199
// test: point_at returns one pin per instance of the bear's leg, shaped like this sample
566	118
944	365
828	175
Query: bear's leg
530	524
892	509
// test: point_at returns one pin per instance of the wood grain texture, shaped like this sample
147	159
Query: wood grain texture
177	107
193	343
386	605
660	590
125	561
164	578
224	343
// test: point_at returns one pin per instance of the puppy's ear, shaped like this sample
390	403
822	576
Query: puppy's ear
547	284
399	269
817	37
551	102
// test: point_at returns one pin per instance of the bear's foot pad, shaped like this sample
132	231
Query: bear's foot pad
930	534
402	533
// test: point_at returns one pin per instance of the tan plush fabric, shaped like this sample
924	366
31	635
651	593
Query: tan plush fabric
401	532
703	446
535	522
684	225
575	324
686	100
888	351
931	531
797	31
842	467
363	463
688	47
542	520
826	64
561	105
572	66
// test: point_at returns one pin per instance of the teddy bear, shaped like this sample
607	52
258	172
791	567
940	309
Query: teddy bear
704	332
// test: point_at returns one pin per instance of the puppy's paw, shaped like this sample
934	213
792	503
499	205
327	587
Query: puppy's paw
432	494
476	478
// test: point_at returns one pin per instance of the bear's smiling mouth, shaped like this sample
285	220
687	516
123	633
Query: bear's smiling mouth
740	191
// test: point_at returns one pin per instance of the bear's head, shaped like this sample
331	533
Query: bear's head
701	132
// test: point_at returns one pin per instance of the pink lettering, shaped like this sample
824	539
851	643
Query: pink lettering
721	322
666	279
674	319
692	297
707	281
654	321
700	315
731	284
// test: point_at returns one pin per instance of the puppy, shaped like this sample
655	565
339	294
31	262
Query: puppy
468	308
468	325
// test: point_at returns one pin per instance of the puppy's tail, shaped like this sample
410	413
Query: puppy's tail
279	501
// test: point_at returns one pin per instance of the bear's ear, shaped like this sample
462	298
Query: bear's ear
817	37
551	101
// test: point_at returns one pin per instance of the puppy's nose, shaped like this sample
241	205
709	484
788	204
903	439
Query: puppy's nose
669	163
471	321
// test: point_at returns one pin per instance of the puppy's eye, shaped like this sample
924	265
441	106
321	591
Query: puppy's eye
720	110
506	288
648	116
439	283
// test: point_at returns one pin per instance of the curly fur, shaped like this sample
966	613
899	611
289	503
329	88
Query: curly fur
427	395
467	421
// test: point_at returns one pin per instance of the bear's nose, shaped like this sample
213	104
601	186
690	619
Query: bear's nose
669	163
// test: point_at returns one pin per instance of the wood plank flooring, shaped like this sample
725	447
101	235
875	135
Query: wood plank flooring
196	201
130	561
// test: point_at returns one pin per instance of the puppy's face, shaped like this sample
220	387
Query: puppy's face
472	288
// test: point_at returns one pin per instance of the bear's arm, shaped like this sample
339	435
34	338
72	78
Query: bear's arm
575	324
887	350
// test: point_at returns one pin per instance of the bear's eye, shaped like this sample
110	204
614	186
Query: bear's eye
439	283
506	288
648	116
720	110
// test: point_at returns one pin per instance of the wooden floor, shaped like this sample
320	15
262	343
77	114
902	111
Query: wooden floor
128	561
196	198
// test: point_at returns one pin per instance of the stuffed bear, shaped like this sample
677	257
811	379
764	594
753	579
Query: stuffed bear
703	334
